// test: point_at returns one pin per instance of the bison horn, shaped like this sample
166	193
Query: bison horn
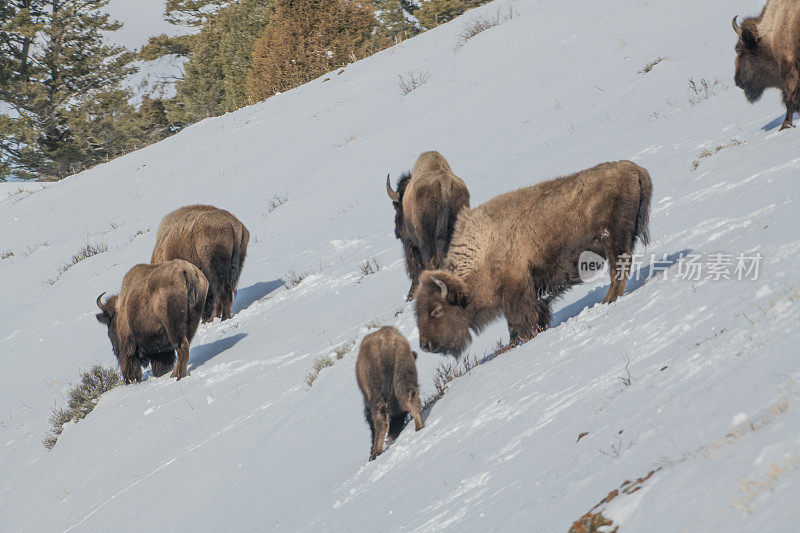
442	285
392	194
99	303
736	27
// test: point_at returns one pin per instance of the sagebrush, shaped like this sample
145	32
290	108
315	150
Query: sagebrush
81	399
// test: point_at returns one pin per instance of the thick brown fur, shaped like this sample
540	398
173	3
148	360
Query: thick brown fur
768	54
430	198
516	253
155	316
212	239
387	376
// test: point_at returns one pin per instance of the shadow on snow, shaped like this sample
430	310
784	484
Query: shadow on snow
247	296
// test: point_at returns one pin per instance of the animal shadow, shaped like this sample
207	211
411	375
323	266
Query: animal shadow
247	296
201	354
637	280
776	123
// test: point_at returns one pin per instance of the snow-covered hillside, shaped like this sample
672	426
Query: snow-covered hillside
709	400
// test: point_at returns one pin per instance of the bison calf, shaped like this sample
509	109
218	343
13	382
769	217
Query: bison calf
155	315
212	239
387	376
519	251
426	204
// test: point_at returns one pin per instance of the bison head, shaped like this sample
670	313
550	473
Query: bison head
755	69
442	316
397	201
108	317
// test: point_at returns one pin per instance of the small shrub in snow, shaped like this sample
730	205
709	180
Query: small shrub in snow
343	349
275	202
5	254
703	90
648	67
708	153
372	324
370	266
323	361
293	279
477	25
412	80
82	398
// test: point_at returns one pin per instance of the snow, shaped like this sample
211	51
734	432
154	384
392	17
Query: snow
244	443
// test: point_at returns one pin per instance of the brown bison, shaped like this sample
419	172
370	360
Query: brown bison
212	239
154	316
387	376
768	54
426	204
519	251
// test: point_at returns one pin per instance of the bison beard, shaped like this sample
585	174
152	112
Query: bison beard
387	377
518	252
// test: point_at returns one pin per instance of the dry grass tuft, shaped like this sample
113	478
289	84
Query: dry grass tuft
477	25
370	266
708	153
703	90
5	254
82	398
293	279
412	80
275	202
648	67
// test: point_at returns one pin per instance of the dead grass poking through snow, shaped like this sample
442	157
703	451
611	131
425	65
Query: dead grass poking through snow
292	279
82	398
708	153
412	80
5	254
703	90
86	252
648	67
477	25
763	482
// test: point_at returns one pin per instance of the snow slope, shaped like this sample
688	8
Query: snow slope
244	443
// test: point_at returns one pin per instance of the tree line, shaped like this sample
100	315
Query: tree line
64	104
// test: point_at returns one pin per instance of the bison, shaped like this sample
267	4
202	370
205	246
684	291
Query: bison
155	315
519	251
212	239
387	376
426	203
768	54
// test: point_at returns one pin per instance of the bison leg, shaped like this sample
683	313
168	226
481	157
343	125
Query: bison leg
396	425
618	269
130	365
787	122
181	369
380	421
162	363
414	266
414	407
525	314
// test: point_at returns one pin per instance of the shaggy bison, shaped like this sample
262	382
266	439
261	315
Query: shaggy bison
212	239
426	204
519	251
154	316
387	376
768	54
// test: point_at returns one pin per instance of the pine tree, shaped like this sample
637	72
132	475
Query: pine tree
435	12
215	76
192	12
394	24
305	39
61	95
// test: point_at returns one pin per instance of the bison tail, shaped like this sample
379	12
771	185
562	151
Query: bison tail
642	227
191	292
444	229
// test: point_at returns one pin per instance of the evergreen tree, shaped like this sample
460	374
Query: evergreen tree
435	12
59	90
394	24
215	76
305	39
192	12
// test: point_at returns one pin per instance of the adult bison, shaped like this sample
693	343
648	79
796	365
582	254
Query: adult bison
212	239
768	54
387	376
519	251
426	204
155	315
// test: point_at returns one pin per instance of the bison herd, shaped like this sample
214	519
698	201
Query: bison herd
510	257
